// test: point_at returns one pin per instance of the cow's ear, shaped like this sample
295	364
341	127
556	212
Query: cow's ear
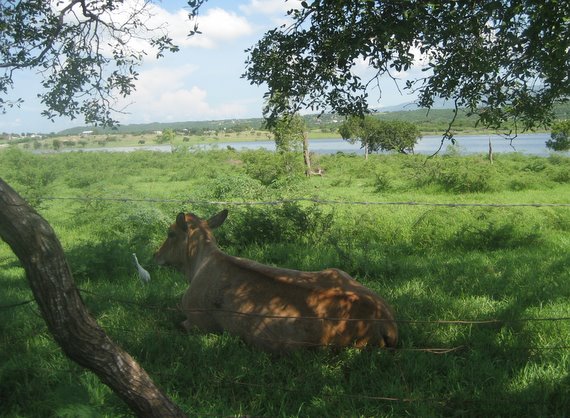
218	219
181	221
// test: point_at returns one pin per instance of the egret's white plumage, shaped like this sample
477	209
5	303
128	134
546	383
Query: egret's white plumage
143	274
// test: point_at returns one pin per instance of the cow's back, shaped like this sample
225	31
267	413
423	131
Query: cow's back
282	309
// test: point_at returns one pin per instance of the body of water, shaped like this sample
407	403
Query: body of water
531	144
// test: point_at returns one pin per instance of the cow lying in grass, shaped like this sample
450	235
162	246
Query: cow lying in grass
273	308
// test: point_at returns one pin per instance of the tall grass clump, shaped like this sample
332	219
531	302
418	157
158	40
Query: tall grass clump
273	169
286	223
236	186
467	176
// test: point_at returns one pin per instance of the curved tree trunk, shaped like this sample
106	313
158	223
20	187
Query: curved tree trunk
34	242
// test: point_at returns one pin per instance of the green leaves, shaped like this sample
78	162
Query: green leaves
82	49
288	131
501	60
375	134
560	136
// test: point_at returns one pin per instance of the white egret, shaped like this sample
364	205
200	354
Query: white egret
143	274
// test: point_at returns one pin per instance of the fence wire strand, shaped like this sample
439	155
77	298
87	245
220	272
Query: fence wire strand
298	200
308	318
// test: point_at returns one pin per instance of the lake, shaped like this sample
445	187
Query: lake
531	144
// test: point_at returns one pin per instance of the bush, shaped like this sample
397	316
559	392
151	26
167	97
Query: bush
459	177
560	136
289	222
382	182
494	235
236	186
120	230
33	176
270	168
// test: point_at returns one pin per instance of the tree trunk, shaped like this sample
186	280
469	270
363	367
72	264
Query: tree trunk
306	154
490	151
34	242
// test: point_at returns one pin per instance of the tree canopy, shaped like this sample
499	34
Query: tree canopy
380	135
560	136
84	49
289	132
502	60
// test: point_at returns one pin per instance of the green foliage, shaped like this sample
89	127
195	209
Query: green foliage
238	186
460	178
288	131
382	182
274	224
430	263
273	170
33	175
500	60
560	136
399	136
166	137
381	135
84	75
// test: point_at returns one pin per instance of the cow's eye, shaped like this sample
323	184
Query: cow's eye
171	234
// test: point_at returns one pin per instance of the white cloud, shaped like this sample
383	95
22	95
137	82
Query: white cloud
217	26
162	95
270	7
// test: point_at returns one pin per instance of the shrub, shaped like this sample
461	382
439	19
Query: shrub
382	182
423	172
236	186
289	222
459	177
535	165
493	236
33	175
269	168
120	230
560	136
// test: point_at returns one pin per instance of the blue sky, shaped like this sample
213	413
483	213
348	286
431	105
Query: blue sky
200	82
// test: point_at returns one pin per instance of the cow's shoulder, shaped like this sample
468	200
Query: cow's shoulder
270	272
327	278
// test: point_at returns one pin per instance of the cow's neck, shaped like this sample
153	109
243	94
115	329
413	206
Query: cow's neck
200	248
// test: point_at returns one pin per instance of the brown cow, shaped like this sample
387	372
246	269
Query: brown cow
273	308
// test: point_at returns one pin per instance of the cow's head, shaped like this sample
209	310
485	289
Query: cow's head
186	237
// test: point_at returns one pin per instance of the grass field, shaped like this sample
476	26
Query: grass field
506	264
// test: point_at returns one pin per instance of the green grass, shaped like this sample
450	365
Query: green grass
431	263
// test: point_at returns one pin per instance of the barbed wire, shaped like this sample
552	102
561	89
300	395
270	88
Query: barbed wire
309	318
333	319
430	350
297	200
442	400
113	329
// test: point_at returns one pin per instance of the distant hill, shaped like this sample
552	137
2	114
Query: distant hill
252	123
435	118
